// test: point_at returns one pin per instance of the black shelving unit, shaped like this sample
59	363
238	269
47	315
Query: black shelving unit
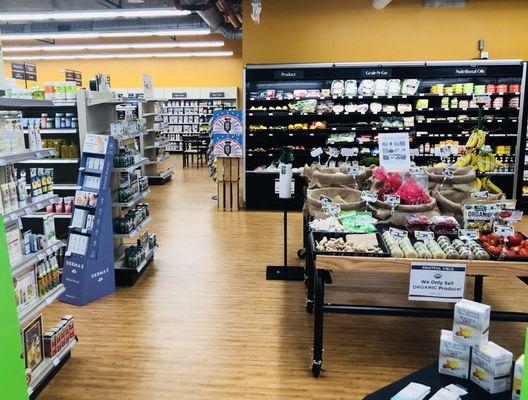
268	87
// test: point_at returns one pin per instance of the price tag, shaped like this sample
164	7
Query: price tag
468	234
332	152
317	152
39	206
49	252
511	215
49	300
56	361
482	98
398	233
348	152
445	151
30	391
424	236
13	217
503	230
333	209
448	173
354	170
41	256
392	199
415	170
326	201
369	196
480	195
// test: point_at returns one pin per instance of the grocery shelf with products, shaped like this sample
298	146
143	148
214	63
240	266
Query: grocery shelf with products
34	256
346	106
154	143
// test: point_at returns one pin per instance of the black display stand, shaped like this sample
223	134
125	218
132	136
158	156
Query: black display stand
285	272
429	376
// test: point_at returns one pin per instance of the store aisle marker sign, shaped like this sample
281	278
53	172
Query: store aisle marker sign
437	282
394	151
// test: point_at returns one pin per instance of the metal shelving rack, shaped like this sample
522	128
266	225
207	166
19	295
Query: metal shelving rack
268	129
96	112
153	143
13	220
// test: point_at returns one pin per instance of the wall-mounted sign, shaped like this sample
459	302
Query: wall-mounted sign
71	75
376	73
179	95
217	95
289	74
23	70
471	71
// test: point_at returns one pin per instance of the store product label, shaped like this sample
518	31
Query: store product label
95	144
392	199
332	152
354	170
503	230
348	152
326	201
424	236
179	95
398	233
217	95
317	152
332	209
373	73
448	173
468	234
289	74
480	195
394	151
369	197
482	98
437	282
514	216
469	71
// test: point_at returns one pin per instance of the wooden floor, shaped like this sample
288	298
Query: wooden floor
203	323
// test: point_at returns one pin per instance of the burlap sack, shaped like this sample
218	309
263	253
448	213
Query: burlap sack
451	202
348	199
463	180
322	177
382	212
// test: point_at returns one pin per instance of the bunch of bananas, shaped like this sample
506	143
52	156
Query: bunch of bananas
485	183
476	139
466	159
486	162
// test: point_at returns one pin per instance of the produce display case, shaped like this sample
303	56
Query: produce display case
300	105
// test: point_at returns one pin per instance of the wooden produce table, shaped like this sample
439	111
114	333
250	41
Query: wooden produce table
318	273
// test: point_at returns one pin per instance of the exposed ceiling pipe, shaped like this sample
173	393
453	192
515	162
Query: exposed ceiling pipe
229	11
379	4
211	16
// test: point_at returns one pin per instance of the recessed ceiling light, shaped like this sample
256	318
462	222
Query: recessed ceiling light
120	55
93	15
94	35
112	46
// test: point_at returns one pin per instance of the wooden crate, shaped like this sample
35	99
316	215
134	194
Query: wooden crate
228	179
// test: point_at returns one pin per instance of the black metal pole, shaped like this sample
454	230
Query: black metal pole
479	288
285	233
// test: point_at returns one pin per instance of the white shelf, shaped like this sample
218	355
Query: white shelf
133	233
132	167
163	174
120	263
47	366
25	314
30	207
33	258
66	187
149	114
52	161
50	131
134	200
20	156
6	102
165	158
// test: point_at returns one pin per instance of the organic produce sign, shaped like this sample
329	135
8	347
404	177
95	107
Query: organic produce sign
437	282
394	151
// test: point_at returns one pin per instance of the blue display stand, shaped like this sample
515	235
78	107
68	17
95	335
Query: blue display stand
91	276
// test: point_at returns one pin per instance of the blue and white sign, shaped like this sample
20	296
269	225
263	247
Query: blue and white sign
227	134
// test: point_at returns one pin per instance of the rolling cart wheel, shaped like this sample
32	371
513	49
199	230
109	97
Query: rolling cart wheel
309	306
301	253
316	368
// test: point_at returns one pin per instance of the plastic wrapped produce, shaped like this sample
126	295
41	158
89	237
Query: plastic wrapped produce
351	88
366	87
415	222
444	225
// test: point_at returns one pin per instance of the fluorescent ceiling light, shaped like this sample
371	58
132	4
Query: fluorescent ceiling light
83	15
95	35
121	55
112	46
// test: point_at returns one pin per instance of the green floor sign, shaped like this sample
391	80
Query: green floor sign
12	373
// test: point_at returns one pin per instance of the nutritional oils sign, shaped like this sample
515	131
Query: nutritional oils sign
437	282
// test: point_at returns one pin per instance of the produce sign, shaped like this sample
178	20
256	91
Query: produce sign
437	282
394	151
227	134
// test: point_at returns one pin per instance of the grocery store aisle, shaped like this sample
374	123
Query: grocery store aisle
203	323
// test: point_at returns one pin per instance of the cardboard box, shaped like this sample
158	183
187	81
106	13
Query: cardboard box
453	357
471	323
517	378
491	367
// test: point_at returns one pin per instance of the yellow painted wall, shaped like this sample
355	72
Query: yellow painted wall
351	30
165	72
